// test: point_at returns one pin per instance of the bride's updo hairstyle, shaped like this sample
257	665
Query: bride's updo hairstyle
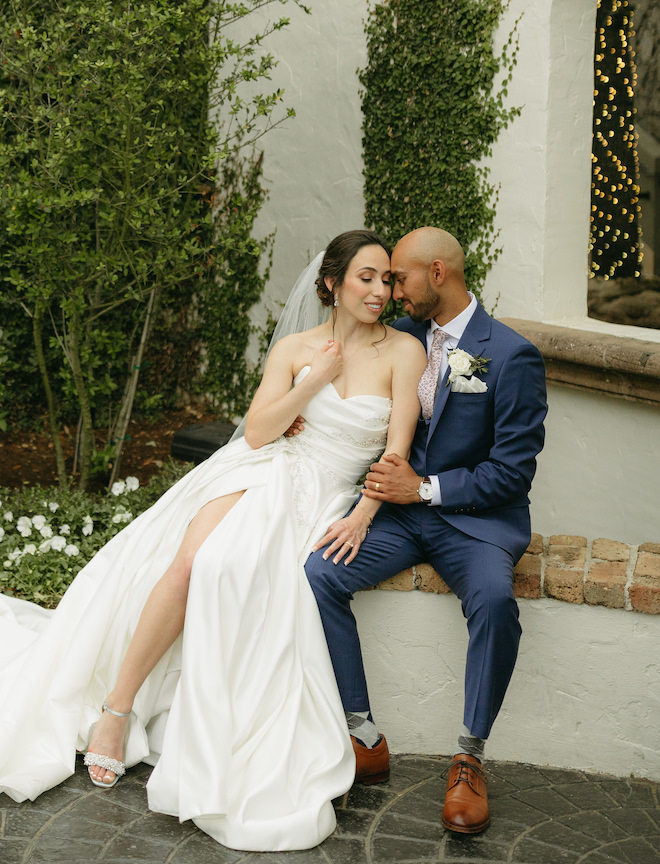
338	256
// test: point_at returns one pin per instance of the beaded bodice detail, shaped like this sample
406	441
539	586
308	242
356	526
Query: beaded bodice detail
342	437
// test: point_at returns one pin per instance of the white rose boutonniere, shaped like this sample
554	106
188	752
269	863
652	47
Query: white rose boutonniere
462	371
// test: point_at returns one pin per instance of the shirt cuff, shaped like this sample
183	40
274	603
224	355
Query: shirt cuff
436	500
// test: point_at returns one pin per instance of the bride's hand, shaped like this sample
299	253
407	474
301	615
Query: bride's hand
345	537
327	362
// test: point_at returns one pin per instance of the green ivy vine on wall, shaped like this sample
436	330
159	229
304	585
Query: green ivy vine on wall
433	103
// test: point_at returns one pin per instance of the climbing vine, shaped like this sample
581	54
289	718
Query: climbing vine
433	103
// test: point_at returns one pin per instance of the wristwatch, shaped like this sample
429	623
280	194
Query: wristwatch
425	491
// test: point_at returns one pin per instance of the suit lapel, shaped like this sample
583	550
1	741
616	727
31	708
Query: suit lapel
476	332
420	330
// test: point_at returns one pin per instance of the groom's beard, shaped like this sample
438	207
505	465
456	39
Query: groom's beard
426	307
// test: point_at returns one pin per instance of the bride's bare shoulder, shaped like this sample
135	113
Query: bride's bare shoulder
400	341
303	341
296	349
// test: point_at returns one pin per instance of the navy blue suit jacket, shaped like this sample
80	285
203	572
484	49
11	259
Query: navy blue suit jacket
483	446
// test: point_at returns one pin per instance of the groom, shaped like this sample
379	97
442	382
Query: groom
460	503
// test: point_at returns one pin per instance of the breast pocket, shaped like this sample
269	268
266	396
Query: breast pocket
469	415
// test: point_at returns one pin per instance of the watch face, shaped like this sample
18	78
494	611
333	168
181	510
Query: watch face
426	491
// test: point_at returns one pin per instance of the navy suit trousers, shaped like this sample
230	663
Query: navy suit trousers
479	573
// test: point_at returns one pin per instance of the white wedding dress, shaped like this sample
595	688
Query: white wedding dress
241	718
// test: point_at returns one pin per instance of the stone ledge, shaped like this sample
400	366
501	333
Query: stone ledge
618	365
573	569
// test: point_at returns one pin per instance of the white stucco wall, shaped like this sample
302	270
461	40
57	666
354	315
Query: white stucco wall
542	163
585	693
313	163
599	472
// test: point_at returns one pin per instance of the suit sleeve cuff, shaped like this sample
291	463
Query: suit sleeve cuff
436	500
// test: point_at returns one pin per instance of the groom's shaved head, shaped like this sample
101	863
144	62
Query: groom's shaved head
427	267
428	244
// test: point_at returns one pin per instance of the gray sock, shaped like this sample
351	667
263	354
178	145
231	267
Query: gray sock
361	726
470	744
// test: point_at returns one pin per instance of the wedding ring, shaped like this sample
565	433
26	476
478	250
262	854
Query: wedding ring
377	487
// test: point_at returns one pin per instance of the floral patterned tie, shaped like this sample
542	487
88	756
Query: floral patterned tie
428	383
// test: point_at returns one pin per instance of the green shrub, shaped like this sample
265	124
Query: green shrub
48	534
119	126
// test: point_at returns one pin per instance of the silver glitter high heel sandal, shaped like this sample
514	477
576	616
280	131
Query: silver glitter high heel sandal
114	765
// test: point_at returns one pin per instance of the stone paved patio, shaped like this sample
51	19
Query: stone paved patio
540	816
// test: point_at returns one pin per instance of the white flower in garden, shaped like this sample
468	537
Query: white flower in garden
122	516
132	483
15	554
46	531
30	549
118	487
71	550
2	532
7	563
24	526
8	516
53	506
64	529
57	543
46	546
38	522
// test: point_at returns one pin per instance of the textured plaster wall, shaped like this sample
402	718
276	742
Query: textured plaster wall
585	693
599	472
313	163
542	163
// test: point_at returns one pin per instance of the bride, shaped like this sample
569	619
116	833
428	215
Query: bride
192	640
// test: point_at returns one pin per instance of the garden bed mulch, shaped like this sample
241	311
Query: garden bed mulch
27	457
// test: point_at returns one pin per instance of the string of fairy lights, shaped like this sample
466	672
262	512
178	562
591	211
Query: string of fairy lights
615	241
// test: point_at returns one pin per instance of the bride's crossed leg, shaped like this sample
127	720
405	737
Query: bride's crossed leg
159	624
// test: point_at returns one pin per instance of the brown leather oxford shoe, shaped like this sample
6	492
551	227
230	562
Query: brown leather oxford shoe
371	765
466	801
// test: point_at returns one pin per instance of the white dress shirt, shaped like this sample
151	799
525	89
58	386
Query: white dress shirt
454	330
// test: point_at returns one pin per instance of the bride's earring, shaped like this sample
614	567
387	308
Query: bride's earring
336	303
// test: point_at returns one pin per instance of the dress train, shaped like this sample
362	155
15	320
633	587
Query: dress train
241	717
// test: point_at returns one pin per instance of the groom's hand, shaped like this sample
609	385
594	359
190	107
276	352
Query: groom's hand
392	479
296	427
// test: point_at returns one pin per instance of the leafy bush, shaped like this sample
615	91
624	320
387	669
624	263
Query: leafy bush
4	360
119	125
48	534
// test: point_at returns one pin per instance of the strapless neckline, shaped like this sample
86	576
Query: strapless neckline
306	369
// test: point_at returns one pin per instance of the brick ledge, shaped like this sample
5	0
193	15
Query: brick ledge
618	365
569	568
